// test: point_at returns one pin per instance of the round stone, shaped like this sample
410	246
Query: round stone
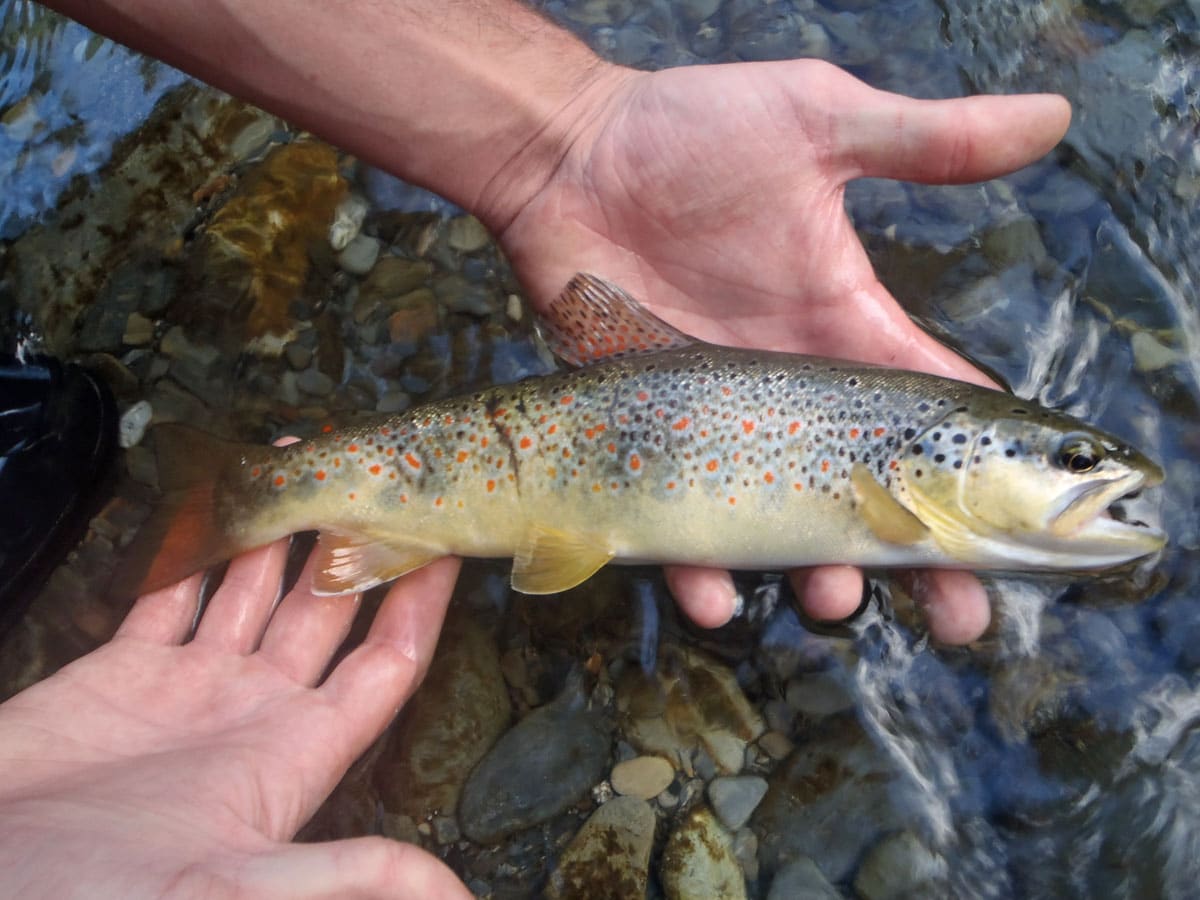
643	777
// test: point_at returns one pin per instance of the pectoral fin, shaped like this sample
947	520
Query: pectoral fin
889	520
549	560
346	563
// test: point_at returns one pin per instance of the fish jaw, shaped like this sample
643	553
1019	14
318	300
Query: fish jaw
1085	518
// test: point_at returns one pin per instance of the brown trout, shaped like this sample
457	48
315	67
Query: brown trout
659	448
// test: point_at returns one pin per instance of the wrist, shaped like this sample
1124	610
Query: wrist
544	142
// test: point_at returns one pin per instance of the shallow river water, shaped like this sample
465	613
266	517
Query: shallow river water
1059	756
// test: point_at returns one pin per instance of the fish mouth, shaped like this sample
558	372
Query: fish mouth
1105	513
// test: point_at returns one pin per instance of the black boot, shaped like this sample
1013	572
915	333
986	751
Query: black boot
58	429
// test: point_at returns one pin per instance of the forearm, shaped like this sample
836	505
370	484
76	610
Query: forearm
474	99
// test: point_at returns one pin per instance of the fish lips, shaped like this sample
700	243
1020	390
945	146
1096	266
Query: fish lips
1094	512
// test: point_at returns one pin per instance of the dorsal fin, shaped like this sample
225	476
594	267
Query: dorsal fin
594	320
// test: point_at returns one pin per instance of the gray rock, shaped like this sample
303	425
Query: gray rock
801	879
315	382
830	801
899	866
347	222
643	776
547	762
133	423
610	856
818	695
466	234
734	798
699	861
298	356
360	255
393	402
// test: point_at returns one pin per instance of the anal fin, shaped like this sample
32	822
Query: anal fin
881	511
549	561
346	563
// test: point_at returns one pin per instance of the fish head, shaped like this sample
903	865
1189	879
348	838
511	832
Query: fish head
1005	483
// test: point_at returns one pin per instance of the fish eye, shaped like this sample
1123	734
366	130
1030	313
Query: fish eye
1080	454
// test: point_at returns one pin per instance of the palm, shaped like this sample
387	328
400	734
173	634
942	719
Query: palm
193	748
715	194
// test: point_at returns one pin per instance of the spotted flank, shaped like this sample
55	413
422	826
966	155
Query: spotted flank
658	448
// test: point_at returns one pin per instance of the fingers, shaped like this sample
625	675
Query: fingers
707	596
946	141
382	673
361	867
307	630
239	611
955	604
828	593
164	616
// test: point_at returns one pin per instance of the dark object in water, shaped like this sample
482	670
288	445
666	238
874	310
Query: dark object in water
58	430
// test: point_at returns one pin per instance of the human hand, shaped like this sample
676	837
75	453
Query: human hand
715	195
159	765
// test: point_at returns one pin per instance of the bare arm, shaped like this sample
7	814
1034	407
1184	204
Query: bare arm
447	94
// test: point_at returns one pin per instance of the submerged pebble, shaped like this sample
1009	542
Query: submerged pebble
610	855
547	762
133	424
699	861
734	798
643	776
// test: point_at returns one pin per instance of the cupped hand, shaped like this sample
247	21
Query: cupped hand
715	195
169	765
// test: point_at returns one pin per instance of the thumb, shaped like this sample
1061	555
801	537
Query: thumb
947	141
361	867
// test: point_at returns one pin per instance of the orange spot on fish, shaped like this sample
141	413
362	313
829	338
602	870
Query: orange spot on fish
462	456
566	452
732	501
337	462
353	448
682	424
449	420
703	432
552	471
352	495
635	462
280	481
375	469
824	465
769	478
404	498
437	501
390	451
256	471
793	427
325	429
798	486
483	442
567	400
320	475
643	396
437	453
412	460
491	485
543	419
893	465
526	443
385	431
727	391
853	432
879	432
737	457
596	488
552	429
670	485
711	465
747	426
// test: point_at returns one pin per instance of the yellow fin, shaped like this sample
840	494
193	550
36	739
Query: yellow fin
549	561
346	563
889	520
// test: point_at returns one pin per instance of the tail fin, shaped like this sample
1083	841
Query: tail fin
183	533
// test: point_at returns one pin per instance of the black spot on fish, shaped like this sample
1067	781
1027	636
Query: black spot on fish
909	433
917	450
960	438
958	464
1010	452
985	441
939	458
